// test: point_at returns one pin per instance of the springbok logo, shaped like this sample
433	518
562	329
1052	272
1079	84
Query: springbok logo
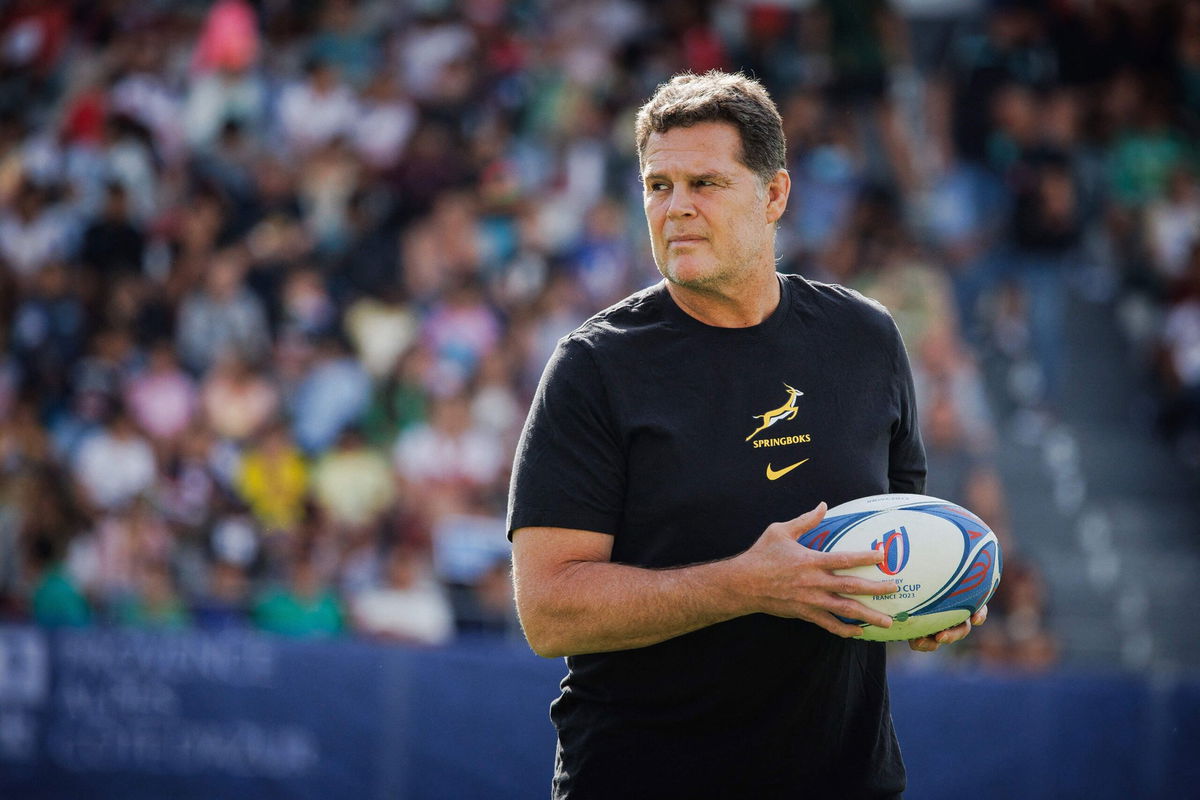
786	411
895	551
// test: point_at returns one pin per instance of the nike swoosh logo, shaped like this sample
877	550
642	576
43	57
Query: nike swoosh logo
776	474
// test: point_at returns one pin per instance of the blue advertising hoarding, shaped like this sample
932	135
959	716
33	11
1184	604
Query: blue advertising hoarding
131	715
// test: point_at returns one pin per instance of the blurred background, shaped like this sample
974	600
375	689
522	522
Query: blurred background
278	279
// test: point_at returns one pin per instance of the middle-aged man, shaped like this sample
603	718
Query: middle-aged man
672	443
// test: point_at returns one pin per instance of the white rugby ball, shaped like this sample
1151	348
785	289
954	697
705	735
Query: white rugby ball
945	560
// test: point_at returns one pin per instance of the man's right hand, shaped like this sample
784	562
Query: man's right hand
786	579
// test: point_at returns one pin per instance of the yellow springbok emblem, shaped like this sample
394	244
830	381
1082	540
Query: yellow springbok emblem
786	411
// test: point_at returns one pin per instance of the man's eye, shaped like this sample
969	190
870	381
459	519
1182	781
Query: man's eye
656	187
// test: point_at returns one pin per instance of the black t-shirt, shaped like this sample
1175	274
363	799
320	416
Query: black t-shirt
684	442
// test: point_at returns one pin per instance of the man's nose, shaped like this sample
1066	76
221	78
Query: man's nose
681	205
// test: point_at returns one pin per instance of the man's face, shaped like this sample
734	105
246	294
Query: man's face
711	219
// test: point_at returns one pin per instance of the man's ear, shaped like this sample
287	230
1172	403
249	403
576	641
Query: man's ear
777	195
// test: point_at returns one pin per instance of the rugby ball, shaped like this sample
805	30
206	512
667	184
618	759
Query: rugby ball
945	560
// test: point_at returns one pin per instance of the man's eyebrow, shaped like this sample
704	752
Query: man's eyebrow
719	177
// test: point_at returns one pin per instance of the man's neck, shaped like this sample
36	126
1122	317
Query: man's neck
750	304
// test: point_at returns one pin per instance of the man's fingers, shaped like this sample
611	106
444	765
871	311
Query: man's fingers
850	558
925	644
831	623
852	609
979	617
849	585
806	521
952	635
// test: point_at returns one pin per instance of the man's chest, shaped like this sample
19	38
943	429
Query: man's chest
721	448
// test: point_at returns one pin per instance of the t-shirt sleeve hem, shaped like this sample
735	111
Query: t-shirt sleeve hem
579	522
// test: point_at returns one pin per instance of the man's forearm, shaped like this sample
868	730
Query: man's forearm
599	606
573	599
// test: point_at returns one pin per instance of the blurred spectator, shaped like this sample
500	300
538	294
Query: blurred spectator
496	405
23	440
303	606
380	332
33	233
317	109
222	317
446	462
384	125
328	180
55	599
126	155
344	42
601	263
48	330
428	47
352	483
399	399
33	38
234	539
228	39
187	488
162	399
237	399
308	310
274	233
368	266
156	603
432	164
112	244
273	479
1147	152
408	605
144	93
460	330
223	102
1173	226
115	464
109	559
1179	361
225	90
333	394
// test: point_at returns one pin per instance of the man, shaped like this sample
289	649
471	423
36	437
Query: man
670	436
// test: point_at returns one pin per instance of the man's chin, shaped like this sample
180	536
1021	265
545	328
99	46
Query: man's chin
691	276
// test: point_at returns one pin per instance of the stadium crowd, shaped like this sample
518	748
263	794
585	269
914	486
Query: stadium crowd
277	279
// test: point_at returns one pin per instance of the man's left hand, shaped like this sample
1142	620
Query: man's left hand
927	644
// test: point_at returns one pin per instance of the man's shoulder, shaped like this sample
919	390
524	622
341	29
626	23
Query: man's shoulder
837	302
641	312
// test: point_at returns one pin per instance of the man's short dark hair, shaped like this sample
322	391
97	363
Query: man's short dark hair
716	96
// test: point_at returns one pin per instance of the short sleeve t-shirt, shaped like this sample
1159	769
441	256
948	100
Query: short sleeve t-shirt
684	442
